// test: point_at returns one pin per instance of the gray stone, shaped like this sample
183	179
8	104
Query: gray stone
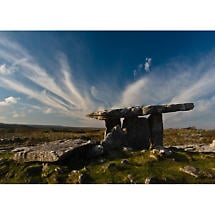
82	178
191	170
155	180
111	166
131	179
140	111
125	162
205	148
156	130
165	152
151	181
212	144
126	149
137	132
54	151
114	140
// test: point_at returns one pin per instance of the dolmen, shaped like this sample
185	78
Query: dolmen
136	131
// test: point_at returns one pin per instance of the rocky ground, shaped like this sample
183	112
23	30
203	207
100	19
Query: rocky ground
191	159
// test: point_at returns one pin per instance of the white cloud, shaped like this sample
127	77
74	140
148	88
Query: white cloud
180	83
61	94
18	115
148	64
8	101
48	110
4	70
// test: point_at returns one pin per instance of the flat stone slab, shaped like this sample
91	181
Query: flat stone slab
51	151
204	148
140	111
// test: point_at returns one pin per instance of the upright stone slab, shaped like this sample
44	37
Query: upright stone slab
137	132
114	140
156	130
110	124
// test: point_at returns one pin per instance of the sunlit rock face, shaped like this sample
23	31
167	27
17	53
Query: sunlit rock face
57	151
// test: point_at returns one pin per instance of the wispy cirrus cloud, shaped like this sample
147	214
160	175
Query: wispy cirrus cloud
57	94
174	82
180	83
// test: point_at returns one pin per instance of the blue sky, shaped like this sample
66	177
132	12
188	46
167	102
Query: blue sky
58	77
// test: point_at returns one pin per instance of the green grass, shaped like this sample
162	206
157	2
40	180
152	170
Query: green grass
109	168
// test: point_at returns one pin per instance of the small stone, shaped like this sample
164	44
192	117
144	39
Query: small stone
153	156
212	144
165	153
111	166
75	171
125	162
45	167
131	179
191	170
125	149
90	142
82	178
143	151
154	180
102	160
58	169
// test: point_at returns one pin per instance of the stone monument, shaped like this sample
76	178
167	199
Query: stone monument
138	130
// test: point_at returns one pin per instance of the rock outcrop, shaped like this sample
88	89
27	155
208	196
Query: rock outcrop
205	148
57	150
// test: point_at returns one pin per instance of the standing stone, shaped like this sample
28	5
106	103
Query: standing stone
137	132
156	130
114	139
110	123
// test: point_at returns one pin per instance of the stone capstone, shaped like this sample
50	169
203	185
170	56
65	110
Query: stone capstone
140	111
57	151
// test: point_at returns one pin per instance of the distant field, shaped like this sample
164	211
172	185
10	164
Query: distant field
38	134
32	134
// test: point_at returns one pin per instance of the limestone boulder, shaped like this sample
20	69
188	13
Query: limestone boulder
114	140
57	151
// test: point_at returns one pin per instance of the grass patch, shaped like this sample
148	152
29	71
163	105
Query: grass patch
110	168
